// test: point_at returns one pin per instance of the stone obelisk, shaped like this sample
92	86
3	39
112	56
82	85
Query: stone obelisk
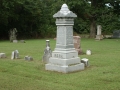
64	57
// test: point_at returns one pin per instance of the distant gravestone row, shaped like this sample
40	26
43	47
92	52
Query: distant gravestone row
20	41
15	55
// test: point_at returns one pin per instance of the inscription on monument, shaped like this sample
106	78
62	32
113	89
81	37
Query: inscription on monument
60	35
69	35
58	56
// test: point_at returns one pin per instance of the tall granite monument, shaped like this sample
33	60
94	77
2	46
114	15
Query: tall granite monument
64	57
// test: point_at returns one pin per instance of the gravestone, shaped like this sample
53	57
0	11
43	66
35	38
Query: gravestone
76	41
13	35
64	57
29	58
2	55
15	41
99	30
116	34
85	61
15	54
88	52
22	41
47	52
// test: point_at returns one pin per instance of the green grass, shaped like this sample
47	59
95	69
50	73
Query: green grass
18	74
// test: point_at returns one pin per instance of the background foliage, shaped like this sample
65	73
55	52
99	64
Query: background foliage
34	18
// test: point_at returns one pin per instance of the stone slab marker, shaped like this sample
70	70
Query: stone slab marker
77	46
15	54
64	57
2	55
99	36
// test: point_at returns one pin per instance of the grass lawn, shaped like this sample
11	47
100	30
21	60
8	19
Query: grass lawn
18	74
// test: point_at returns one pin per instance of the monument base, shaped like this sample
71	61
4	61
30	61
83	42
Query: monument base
99	37
64	69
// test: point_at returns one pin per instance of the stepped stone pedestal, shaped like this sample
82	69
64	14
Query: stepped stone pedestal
64	57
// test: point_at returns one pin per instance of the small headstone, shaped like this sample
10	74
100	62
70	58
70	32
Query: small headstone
2	55
85	61
76	40
22	41
88	52
99	30
116	34
29	58
15	41
15	54
47	52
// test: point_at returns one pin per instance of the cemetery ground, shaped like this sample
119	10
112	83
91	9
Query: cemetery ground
102	74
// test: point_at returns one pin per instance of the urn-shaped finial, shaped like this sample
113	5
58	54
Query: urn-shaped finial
64	12
64	9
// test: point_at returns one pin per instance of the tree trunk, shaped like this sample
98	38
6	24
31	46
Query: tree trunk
93	29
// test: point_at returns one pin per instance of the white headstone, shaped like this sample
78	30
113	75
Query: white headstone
99	29
13	55
88	52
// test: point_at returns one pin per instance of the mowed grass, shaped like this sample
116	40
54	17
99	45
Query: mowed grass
102	74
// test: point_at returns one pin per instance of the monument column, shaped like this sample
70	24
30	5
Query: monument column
64	57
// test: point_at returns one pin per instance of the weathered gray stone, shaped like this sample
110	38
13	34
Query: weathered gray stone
65	57
2	55
85	61
13	35
22	41
29	58
47	52
15	41
15	54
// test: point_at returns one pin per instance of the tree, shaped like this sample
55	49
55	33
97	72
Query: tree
91	11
